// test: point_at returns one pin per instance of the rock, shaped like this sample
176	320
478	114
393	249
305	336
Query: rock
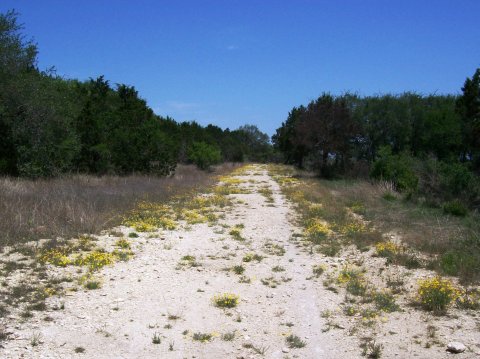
285	350
456	347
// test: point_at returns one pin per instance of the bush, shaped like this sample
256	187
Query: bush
226	300
457	179
442	181
204	155
395	168
455	208
436	294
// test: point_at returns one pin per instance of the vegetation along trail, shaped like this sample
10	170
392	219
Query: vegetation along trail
225	274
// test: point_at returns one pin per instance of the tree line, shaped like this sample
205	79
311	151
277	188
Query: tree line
50	125
427	144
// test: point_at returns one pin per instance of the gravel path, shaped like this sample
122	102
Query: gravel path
152	296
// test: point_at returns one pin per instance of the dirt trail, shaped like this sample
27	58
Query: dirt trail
151	295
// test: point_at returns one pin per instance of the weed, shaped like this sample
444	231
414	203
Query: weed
122	243
35	339
95	260
330	247
228	336
226	300
122	255
385	301
90	282
260	350
173	317
278	269
395	283
188	261
348	273
244	279
294	341
469	299
156	338
237	234
349	310
79	350
57	257
270	282
371	349
357	286
238	269
202	337
274	249
318	269
252	256
317	230
388	249
133	235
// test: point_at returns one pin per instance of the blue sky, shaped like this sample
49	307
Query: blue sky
236	62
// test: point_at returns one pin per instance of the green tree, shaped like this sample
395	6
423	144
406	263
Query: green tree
17	61
204	155
468	106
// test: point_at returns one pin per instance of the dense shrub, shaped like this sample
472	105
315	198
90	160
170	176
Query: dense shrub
204	155
395	168
457	180
436	294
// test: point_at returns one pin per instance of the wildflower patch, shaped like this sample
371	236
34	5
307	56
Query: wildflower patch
436	294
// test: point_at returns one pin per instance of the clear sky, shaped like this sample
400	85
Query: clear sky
235	62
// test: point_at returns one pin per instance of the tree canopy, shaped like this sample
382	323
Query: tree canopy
50	125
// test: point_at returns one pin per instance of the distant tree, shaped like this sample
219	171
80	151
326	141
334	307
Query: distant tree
284	139
468	106
255	143
327	130
92	126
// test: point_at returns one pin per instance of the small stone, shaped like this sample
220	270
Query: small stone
285	350
456	347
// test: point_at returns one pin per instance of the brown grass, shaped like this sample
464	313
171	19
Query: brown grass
72	205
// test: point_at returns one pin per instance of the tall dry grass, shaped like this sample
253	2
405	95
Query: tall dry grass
76	204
